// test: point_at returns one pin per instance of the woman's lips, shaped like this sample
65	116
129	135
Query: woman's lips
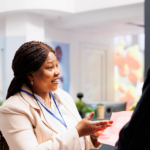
55	81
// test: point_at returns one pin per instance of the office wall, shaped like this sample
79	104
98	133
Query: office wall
17	5
68	6
1	72
2	27
11	45
86	5
76	39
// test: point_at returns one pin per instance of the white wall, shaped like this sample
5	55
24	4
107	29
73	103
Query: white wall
35	28
20	5
75	40
2	33
15	25
1	73
2	27
70	6
87	5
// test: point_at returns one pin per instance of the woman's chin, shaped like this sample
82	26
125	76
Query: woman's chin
54	89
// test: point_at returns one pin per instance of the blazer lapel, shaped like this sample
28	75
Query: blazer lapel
33	103
62	100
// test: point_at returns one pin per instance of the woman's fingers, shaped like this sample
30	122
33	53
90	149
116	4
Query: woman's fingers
90	116
98	123
102	127
98	133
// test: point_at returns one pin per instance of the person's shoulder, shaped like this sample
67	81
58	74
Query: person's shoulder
66	96
13	104
60	91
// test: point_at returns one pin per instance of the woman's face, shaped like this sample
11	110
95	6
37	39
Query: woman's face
45	78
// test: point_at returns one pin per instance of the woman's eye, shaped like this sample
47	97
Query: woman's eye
50	67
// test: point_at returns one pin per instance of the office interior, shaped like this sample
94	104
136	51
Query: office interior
93	37
95	34
102	46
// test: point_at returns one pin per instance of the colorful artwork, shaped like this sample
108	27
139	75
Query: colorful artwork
129	69
62	54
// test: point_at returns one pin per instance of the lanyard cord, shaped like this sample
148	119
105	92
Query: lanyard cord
58	109
63	122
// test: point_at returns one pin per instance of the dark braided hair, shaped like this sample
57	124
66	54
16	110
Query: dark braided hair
28	59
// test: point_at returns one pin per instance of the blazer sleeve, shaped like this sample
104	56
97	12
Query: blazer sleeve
19	134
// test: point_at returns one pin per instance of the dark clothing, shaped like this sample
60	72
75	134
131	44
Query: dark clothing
135	135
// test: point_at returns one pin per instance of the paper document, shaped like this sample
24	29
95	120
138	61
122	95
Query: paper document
110	135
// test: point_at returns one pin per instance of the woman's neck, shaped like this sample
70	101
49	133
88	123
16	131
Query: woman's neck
43	95
46	97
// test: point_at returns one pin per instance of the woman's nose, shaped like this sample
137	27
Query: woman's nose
57	71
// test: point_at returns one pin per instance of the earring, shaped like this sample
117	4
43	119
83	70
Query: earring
32	82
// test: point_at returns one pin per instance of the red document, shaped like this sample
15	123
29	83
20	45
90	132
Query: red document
110	135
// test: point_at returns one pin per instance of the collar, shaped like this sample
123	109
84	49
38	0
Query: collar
32	101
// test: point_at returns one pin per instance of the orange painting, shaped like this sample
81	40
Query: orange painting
129	68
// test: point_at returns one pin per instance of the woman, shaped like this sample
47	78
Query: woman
39	116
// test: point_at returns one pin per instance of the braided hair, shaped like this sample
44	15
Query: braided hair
28	59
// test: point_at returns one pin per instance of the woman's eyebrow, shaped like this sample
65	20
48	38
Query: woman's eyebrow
49	62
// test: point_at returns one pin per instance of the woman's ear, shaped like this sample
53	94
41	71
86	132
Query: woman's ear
30	77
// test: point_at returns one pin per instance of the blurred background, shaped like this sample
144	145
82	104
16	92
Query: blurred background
100	44
100	47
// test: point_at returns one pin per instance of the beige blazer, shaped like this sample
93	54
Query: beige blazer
26	128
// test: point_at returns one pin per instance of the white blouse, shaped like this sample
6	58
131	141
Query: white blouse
69	120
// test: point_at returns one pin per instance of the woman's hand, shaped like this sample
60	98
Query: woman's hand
97	134
87	127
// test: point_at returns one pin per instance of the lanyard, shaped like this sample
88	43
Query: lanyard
63	122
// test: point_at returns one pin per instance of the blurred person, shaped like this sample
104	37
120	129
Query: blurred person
59	56
135	134
38	115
